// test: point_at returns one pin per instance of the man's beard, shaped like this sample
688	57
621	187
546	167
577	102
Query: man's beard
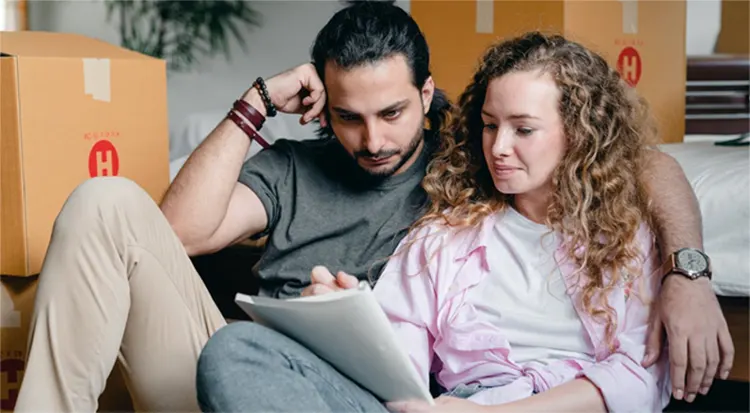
405	157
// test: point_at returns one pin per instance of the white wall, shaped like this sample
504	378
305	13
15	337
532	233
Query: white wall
703	25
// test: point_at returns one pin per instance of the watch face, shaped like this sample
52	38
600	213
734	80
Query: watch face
692	261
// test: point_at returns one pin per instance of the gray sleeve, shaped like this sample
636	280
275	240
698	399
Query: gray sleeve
266	174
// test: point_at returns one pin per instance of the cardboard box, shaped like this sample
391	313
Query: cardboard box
72	108
645	40
16	306
735	25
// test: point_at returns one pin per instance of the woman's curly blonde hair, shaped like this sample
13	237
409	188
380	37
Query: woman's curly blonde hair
598	201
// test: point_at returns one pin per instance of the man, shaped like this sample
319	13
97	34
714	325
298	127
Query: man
121	286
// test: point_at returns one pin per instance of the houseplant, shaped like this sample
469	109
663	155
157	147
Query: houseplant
181	32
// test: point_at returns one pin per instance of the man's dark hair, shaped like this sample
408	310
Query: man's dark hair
366	32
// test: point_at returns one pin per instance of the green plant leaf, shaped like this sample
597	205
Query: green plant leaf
182	32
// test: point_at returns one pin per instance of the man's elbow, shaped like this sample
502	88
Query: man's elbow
185	232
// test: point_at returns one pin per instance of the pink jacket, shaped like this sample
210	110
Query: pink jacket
423	291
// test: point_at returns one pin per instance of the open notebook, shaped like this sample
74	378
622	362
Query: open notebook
350	331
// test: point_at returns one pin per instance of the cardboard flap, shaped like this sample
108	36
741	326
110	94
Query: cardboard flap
46	44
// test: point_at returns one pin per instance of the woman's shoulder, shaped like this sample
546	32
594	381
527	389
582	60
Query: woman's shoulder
438	234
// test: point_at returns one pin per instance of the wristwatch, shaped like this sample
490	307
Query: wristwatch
688	262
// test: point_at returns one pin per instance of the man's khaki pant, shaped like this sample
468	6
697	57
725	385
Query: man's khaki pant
116	285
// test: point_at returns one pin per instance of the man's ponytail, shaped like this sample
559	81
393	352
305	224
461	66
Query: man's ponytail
440	110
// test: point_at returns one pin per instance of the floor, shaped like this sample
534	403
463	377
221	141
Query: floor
725	396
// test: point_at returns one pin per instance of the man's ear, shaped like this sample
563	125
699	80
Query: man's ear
428	91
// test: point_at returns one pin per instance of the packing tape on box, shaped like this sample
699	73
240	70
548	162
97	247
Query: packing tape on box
96	78
9	316
629	16
485	19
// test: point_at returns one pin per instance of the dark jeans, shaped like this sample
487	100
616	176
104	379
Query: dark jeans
246	367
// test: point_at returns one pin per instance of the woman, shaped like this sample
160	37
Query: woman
530	279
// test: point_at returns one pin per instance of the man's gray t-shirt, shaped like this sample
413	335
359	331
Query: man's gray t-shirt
324	210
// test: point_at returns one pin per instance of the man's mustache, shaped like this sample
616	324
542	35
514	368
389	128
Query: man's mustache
364	153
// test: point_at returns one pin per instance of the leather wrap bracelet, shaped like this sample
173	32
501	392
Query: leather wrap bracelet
250	113
249	131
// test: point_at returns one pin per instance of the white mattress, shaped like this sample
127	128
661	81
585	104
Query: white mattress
720	177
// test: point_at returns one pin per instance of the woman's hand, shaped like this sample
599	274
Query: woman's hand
323	282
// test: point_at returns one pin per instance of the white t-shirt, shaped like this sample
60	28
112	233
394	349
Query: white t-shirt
525	296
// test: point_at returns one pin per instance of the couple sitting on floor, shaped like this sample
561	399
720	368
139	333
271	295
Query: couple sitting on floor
512	244
528	284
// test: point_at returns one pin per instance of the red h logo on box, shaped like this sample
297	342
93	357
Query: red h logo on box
103	159
629	65
12	371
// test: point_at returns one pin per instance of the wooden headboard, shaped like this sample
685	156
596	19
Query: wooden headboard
717	95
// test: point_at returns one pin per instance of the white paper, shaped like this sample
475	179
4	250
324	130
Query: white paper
350	331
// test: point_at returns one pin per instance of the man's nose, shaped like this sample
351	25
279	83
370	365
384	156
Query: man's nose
373	136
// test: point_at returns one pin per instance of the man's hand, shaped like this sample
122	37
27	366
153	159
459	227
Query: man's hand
699	341
444	404
323	282
298	90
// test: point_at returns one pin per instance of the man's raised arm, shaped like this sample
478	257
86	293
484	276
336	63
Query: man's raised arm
206	205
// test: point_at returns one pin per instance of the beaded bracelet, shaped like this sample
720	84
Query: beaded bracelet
261	86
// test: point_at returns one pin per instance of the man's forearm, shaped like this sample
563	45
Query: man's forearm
676	211
197	200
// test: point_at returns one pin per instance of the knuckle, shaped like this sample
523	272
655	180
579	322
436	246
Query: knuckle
697	368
